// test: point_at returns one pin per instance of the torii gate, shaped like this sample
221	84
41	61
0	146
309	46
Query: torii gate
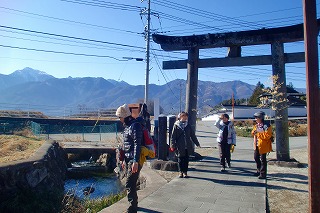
234	41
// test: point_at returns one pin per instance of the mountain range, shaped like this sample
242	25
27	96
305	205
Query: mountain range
34	89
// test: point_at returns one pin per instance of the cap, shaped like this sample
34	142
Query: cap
123	111
259	114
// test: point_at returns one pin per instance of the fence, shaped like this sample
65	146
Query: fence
75	133
9	126
43	111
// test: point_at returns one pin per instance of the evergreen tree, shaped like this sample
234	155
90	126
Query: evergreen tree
290	85
254	99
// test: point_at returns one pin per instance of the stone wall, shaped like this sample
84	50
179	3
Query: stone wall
45	171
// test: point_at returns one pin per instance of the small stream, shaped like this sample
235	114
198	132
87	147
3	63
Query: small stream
93	183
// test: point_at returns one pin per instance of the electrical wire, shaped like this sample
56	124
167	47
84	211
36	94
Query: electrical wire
70	21
70	37
60	52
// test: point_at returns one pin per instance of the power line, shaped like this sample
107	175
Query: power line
203	13
106	4
69	37
92	46
213	16
69	21
60	52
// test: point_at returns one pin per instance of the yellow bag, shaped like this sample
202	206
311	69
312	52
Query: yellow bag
232	148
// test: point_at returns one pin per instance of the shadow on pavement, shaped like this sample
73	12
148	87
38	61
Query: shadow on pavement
140	209
232	182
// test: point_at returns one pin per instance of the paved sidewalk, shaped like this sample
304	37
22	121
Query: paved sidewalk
207	189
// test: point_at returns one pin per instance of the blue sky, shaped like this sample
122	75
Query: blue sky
104	32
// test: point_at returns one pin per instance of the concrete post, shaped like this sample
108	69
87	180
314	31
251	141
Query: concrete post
162	138
172	119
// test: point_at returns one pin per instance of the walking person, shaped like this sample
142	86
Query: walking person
132	140
226	138
182	142
262	133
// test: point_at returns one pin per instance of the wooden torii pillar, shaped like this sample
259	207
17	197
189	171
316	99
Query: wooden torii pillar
234	41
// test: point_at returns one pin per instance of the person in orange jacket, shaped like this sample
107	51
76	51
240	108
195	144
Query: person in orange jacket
262	133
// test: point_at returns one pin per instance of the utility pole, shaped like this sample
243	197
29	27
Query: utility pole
180	97
312	74
147	38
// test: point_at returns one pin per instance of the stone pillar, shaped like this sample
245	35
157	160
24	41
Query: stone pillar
281	112
192	86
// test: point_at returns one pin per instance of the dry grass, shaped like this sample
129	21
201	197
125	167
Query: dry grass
288	187
17	147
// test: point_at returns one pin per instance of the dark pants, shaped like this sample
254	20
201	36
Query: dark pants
261	162
131	187
184	162
224	151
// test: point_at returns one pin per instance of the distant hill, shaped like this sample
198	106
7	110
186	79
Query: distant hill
30	88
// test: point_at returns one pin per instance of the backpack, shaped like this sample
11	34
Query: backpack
265	128
148	140
146	127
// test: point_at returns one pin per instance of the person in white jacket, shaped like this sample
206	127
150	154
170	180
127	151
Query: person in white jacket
225	138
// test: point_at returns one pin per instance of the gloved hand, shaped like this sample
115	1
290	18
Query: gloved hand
171	149
232	148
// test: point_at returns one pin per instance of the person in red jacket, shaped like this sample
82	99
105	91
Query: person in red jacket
262	133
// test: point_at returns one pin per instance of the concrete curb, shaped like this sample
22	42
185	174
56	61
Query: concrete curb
153	182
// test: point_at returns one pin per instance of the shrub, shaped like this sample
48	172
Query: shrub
243	131
71	204
97	205
25	132
296	128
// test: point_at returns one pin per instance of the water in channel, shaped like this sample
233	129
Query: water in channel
93	186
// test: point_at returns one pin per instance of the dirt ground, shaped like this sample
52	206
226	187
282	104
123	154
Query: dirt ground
287	188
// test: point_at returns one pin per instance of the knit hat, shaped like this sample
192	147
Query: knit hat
123	111
259	114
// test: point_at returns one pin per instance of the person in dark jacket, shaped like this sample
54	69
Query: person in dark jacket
226	138
132	140
182	139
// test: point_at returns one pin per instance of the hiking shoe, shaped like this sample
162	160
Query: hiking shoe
256	174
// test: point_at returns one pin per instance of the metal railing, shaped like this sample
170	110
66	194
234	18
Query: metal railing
75	133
